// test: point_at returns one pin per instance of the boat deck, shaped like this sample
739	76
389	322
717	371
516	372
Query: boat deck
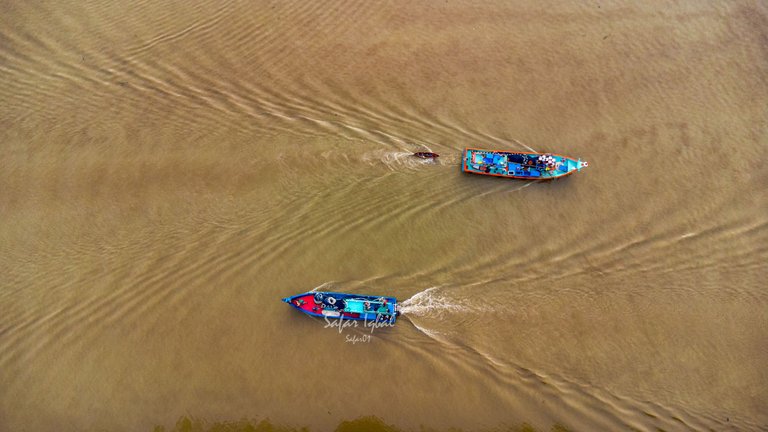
521	165
346	306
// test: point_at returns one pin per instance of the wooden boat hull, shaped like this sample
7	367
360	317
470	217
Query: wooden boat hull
520	165
335	305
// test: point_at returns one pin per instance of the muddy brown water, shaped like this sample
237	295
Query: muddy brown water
170	170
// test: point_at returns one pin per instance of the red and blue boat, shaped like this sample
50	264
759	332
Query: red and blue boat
346	306
520	165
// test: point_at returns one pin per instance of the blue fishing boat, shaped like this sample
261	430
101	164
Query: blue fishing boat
520	165
346	306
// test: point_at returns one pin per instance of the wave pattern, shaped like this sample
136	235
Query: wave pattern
174	169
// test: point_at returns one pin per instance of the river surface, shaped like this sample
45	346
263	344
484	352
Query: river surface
171	169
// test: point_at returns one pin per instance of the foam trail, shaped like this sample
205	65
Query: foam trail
433	334
429	303
395	159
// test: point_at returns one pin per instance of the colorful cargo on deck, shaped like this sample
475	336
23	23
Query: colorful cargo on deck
520	165
346	306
